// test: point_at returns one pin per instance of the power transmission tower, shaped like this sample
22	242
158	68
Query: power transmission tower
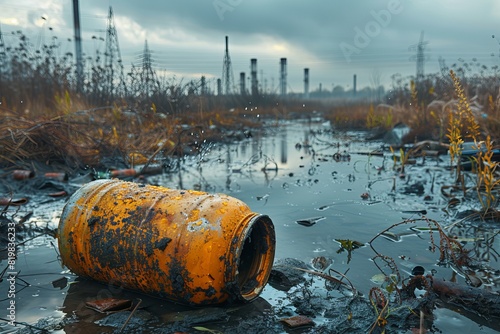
227	71
419	57
148	79
445	71
113	66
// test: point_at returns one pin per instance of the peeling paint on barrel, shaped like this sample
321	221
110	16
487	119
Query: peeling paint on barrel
187	246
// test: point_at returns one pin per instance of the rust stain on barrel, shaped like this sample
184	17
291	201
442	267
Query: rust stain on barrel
183	245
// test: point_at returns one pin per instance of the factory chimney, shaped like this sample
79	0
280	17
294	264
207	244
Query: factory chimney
283	76
306	83
219	87
78	46
253	73
242	84
354	85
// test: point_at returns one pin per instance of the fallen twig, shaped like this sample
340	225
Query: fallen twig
131	314
330	278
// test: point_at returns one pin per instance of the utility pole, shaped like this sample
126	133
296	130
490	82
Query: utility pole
419	57
115	80
78	47
227	71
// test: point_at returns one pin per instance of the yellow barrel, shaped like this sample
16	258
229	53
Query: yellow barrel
187	246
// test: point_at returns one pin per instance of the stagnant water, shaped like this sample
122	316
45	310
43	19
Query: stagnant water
295	171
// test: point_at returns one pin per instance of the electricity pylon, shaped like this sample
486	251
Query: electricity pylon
115	80
227	72
419	57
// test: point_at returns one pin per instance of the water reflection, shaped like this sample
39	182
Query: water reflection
483	243
357	193
291	185
284	148
154	314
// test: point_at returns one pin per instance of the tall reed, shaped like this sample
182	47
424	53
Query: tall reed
487	180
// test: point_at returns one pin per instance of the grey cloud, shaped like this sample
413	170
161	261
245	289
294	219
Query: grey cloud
453	29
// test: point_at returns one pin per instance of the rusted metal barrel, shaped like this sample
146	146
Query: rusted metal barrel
187	246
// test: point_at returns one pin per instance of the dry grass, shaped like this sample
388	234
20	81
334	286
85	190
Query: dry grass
83	138
427	118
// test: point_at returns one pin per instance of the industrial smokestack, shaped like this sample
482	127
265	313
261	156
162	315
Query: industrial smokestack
306	83
78	46
253	73
219	87
227	43
242	83
354	85
283	76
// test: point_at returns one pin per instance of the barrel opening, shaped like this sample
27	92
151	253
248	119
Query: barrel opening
256	258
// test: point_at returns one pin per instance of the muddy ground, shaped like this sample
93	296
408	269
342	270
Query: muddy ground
360	228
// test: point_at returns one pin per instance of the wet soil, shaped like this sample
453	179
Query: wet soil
328	192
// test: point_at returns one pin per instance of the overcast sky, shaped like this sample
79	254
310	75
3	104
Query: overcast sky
334	39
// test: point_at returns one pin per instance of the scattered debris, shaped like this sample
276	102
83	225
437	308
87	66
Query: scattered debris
137	321
321	262
13	201
472	299
123	173
298	321
285	274
61	193
109	305
201	316
20	174
60	283
309	221
349	246
57	176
